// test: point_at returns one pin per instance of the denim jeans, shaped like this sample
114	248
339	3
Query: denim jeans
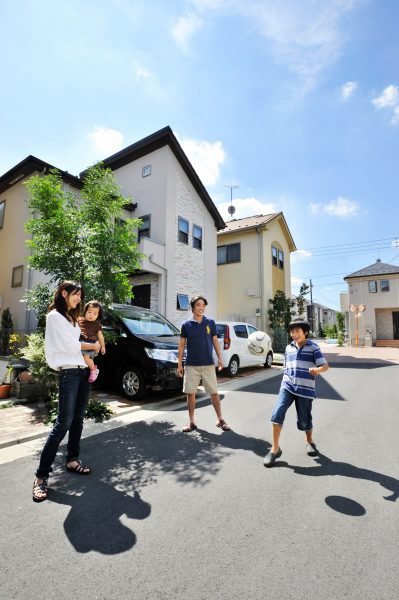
73	395
303	409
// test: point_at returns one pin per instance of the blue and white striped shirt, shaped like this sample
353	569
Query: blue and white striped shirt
297	362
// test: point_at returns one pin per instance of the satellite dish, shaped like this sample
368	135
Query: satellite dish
231	210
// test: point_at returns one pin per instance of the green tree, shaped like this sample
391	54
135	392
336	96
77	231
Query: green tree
81	237
300	301
280	314
340	321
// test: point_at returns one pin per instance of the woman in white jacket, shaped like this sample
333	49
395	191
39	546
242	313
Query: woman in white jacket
63	354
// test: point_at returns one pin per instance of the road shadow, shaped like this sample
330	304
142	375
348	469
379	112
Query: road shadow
235	441
93	523
328	467
203	399
324	391
345	506
364	364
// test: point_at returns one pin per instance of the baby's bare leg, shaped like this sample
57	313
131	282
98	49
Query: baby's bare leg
89	362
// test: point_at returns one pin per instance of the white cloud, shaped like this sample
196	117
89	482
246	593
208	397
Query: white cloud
246	207
389	99
341	207
206	158
306	36
105	141
142	73
184	29
348	89
296	282
300	255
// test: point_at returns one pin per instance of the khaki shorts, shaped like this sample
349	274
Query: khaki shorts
193	376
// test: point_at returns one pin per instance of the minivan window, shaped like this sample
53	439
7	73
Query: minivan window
147	323
220	330
241	331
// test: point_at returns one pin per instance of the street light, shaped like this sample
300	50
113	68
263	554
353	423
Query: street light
357	309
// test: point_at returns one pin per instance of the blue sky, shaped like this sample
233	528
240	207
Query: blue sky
296	102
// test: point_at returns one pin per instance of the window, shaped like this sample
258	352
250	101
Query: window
372	287
251	329
229	254
17	274
197	237
241	331
144	228
274	256
384	285
183	231
2	211
146	171
182	302
281	259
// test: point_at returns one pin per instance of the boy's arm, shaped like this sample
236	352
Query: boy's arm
180	353
100	338
317	370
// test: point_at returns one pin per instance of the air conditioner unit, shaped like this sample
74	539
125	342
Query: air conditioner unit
258	312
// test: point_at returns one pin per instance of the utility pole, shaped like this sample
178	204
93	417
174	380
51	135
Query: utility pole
311	308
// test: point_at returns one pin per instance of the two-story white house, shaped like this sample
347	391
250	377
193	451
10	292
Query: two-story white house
178	235
372	305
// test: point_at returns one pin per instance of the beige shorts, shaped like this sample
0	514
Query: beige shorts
193	376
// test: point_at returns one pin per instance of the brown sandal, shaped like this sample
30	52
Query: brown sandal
223	425
190	427
39	492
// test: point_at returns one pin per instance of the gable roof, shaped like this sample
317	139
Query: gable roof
378	268
29	165
159	139
256	221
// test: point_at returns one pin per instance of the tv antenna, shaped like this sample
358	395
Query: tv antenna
231	209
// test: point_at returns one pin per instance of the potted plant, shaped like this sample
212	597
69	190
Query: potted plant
5	385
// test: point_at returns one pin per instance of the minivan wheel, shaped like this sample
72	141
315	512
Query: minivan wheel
269	360
233	367
132	383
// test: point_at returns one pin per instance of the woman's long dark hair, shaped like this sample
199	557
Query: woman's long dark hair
59	303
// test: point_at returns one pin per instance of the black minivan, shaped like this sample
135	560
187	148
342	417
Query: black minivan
143	355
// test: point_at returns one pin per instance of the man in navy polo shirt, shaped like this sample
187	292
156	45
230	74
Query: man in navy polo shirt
199	333
303	362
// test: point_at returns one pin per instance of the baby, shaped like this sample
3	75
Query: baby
90	327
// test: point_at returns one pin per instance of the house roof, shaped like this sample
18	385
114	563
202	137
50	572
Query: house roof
159	139
378	268
29	165
256	221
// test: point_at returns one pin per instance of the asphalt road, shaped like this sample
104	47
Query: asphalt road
170	516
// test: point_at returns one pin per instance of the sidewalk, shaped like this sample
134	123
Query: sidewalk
23	422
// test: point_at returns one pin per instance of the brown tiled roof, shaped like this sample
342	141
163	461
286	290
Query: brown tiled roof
248	222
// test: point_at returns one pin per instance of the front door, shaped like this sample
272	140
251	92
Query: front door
142	295
395	318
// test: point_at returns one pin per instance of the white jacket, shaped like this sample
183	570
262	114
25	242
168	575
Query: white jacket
61	343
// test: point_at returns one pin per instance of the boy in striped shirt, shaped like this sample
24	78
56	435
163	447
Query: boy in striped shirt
303	362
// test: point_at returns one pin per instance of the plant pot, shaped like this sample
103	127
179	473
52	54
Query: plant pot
5	390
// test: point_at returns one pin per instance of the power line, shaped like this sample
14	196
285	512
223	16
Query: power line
350	244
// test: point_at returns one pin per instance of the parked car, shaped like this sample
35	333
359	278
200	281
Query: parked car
233	339
143	355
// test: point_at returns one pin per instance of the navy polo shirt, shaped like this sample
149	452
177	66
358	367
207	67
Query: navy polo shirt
199	341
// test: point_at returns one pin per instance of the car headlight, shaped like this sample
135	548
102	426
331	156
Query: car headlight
158	354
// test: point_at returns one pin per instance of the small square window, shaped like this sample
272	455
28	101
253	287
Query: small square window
183	231
182	302
17	275
197	237
146	171
384	285
2	211
372	287
144	228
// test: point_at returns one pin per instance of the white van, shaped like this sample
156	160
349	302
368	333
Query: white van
233	340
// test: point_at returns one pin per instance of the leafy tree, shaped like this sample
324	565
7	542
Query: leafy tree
6	329
340	321
300	301
80	237
280	314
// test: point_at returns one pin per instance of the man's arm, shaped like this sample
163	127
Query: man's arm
180	354
216	345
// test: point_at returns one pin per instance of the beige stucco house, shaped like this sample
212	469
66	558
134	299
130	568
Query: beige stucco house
253	263
371	306
177	235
